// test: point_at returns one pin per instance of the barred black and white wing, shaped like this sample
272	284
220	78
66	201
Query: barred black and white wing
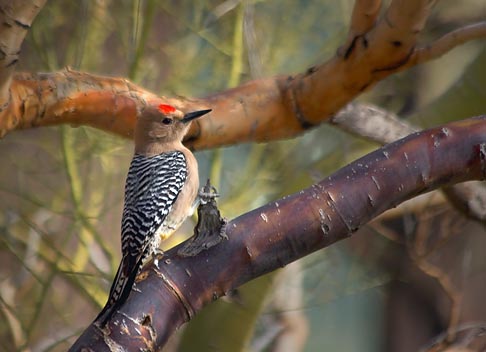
152	187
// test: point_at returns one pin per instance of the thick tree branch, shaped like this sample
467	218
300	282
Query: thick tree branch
43	99
260	110
16	18
175	288
381	126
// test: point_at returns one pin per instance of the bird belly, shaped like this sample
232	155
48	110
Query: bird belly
168	227
165	230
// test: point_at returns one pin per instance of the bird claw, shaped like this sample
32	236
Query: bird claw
157	254
222	231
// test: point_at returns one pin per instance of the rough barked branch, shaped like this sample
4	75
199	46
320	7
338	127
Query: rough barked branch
285	230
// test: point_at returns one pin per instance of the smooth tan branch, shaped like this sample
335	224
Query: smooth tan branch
257	111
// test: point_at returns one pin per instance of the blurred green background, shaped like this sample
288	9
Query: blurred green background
61	188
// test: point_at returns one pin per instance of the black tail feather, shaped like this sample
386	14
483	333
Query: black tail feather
127	271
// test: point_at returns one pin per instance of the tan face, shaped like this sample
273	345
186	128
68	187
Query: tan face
154	125
164	124
168	127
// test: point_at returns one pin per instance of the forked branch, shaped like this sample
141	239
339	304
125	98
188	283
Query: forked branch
260	110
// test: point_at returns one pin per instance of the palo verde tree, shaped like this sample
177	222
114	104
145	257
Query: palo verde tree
276	76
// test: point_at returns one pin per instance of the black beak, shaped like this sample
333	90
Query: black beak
194	115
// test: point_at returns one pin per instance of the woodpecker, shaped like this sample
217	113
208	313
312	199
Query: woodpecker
160	192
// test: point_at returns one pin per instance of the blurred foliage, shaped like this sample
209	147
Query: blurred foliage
61	189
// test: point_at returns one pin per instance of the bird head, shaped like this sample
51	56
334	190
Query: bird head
164	124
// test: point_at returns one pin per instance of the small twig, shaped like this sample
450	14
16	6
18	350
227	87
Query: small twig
447	42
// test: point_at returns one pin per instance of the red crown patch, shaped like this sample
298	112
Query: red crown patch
166	109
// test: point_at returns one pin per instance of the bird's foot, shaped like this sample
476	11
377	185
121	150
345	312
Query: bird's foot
158	255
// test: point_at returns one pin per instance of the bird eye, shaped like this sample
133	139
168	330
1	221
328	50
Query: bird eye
167	121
